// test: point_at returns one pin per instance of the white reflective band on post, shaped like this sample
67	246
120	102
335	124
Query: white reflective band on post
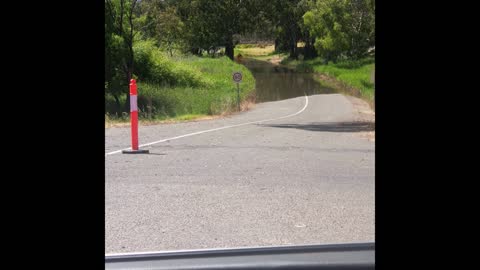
133	103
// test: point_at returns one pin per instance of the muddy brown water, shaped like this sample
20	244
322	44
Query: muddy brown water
274	82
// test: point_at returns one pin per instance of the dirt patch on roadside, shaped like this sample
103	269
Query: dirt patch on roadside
249	102
364	113
275	60
157	122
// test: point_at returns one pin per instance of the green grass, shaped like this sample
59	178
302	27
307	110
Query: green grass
253	50
259	52
212	93
187	117
270	56
356	74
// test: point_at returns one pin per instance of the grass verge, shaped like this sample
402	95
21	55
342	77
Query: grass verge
353	77
214	93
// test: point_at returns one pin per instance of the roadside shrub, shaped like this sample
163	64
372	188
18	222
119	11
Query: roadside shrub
153	65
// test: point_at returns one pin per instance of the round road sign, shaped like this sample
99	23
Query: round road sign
237	77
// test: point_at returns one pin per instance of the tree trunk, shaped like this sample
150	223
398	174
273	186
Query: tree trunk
307	50
229	48
128	73
229	51
293	45
117	101
310	51
195	51
326	58
129	77
127	98
170	49
293	49
149	107
131	56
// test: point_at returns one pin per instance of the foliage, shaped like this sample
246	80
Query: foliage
353	73
150	40
342	28
155	66
208	89
119	36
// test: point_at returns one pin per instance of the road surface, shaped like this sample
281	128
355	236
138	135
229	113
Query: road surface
303	179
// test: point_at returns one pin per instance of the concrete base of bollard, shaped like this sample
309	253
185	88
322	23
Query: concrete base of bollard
139	151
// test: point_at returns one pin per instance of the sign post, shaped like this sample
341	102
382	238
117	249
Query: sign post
237	77
134	120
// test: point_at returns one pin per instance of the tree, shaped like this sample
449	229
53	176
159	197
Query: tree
212	24
170	28
360	18
120	35
309	40
342	28
284	16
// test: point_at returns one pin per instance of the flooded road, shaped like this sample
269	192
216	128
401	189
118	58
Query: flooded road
277	83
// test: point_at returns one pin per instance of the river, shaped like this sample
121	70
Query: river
274	82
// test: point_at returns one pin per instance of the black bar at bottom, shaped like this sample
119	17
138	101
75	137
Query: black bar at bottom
337	256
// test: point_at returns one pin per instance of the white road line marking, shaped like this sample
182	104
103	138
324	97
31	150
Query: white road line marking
214	129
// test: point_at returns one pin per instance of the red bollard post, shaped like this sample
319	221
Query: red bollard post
134	120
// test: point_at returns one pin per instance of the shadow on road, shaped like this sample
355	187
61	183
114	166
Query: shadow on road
329	127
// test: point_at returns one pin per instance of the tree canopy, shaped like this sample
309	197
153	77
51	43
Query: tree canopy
330	29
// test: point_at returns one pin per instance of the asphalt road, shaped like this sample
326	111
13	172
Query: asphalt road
304	179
